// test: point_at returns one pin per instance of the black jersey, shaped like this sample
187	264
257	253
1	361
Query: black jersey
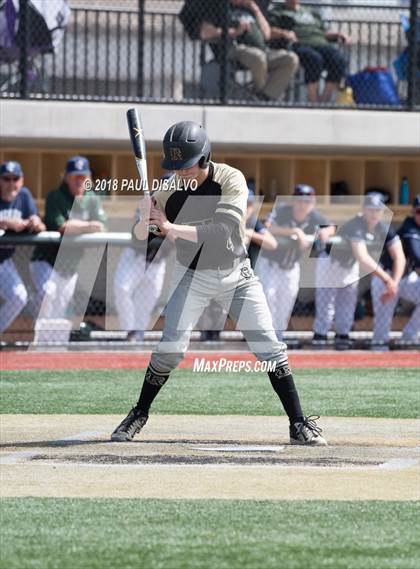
409	233
222	196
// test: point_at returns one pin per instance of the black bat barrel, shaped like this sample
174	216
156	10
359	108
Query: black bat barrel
136	134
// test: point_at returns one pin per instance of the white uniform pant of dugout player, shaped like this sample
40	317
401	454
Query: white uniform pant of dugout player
335	296
136	289
12	292
239	291
409	289
281	287
54	291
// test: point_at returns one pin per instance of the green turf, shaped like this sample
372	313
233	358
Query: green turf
223	534
341	392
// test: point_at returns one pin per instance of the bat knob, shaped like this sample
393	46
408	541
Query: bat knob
154	229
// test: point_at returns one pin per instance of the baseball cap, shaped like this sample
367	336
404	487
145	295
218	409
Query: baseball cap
78	165
374	200
416	201
10	167
304	192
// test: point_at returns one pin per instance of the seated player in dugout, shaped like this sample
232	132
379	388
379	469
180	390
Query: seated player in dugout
207	225
248	34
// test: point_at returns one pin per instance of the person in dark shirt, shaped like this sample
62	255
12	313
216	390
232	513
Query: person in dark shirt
408	289
339	274
248	33
305	32
280	269
18	213
69	210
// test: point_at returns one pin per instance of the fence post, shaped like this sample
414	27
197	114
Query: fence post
140	51
413	49
224	72
23	45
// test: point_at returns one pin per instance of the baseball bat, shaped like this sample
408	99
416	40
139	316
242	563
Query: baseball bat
138	144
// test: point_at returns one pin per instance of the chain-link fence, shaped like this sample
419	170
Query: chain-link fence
224	51
101	289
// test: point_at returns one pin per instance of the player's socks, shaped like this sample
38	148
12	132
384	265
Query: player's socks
153	382
283	384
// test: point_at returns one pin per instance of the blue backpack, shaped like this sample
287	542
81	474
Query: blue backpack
374	86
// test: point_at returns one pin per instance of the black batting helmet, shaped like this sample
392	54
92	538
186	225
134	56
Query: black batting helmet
185	144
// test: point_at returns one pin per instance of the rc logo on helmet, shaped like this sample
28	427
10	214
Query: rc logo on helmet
175	153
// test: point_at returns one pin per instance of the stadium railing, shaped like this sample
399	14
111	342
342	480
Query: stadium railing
93	303
147	56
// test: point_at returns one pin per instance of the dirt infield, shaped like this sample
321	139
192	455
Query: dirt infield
208	457
120	360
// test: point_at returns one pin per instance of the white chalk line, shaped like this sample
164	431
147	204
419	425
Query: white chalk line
17	456
399	463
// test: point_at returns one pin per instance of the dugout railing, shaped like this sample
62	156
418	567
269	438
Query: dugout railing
148	55
92	310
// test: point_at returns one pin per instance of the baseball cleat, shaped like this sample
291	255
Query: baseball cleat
320	340
343	342
130	426
307	433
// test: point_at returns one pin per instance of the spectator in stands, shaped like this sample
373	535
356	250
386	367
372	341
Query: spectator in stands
304	31
248	34
280	269
70	210
408	289
18	214
338	275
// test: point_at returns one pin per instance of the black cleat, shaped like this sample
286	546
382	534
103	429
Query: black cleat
319	341
307	433
130	426
343	342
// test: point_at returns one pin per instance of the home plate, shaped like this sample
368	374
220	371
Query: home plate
239	448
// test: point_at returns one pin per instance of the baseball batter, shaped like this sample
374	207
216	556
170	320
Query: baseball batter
208	226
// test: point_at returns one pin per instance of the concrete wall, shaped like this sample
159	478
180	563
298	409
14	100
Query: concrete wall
53	124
